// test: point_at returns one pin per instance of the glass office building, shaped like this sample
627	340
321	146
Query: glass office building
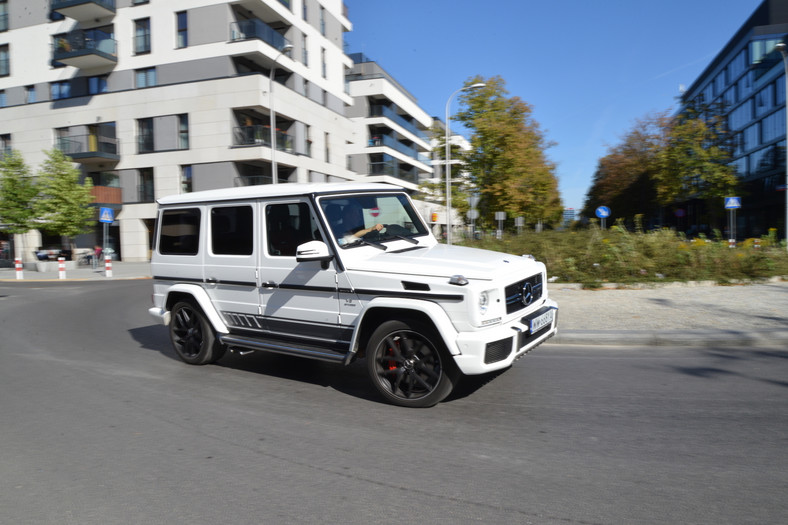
746	79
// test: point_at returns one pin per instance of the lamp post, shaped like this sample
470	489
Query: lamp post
783	49
448	159
274	169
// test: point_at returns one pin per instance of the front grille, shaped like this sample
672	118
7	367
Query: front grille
497	350
523	293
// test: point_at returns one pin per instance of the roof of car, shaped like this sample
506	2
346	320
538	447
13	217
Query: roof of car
273	191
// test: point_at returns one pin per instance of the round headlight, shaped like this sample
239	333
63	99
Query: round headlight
484	301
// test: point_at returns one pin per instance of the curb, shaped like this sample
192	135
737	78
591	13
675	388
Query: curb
698	338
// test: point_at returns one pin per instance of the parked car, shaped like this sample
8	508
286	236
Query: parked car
338	272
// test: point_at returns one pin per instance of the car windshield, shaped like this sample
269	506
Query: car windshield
371	219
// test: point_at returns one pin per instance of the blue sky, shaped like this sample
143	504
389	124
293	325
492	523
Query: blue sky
589	68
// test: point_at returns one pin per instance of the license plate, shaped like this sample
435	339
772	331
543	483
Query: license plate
540	321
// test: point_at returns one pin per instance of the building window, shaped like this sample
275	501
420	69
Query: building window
304	51
142	36
322	20
30	94
145	77
60	89
323	65
3	15
183	29
145	190
5	144
186	179
3	101
5	61
145	135
183	131
328	150
97	84
139	2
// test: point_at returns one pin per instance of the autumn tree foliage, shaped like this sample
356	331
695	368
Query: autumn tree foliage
507	161
663	163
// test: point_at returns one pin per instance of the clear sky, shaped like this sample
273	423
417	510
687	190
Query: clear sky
589	68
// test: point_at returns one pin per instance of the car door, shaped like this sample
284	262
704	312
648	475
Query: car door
230	265
300	299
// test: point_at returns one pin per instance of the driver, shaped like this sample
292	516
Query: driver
353	224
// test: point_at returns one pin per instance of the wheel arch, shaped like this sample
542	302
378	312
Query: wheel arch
425	312
196	294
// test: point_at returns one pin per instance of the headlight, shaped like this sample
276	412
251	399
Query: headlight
484	302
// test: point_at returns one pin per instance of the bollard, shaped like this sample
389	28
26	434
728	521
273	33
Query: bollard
61	267
18	266
108	266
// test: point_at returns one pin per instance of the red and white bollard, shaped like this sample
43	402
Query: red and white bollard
108	266
61	267
19	267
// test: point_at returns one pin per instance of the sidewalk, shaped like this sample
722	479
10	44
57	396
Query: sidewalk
669	314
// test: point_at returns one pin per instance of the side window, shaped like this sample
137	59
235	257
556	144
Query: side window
180	232
232	230
287	226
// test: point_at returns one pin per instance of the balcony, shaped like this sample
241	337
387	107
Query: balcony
84	9
85	49
393	169
387	112
257	29
260	135
107	195
391	142
89	149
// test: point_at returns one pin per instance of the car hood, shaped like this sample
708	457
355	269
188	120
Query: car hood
441	260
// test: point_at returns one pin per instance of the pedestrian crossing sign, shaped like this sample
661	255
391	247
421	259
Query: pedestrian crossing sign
106	215
731	203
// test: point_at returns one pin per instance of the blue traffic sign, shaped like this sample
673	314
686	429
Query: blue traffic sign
603	212
732	203
106	215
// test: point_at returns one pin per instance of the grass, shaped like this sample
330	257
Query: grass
594	257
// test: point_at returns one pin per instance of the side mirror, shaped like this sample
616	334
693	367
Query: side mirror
314	251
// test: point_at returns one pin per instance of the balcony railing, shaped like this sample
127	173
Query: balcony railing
387	112
87	147
84	9
261	136
257	29
391	142
393	169
85	49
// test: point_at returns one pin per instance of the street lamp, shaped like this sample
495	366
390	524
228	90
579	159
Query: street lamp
448	159
274	169
783	49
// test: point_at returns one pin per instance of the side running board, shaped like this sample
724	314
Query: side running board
246	343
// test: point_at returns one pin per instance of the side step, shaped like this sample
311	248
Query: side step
235	341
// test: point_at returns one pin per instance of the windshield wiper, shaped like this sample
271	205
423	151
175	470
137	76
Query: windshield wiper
366	243
403	238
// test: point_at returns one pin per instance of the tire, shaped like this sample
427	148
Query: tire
409	365
192	335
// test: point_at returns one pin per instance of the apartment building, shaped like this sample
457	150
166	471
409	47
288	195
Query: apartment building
391	142
746	81
157	97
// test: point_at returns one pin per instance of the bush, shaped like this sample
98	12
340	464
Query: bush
594	256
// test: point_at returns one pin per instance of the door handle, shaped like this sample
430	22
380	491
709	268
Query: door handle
270	284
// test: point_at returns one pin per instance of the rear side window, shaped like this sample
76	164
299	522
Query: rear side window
180	232
231	230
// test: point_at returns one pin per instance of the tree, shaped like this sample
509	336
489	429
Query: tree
63	203
507	160
434	189
17	192
693	161
625	178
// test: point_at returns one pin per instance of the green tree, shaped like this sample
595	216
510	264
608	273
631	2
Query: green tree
507	160
17	192
693	160
63	204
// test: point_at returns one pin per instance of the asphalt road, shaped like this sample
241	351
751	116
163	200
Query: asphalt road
101	424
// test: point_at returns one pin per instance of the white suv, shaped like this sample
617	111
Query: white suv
340	271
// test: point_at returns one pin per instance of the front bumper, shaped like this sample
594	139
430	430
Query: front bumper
497	348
